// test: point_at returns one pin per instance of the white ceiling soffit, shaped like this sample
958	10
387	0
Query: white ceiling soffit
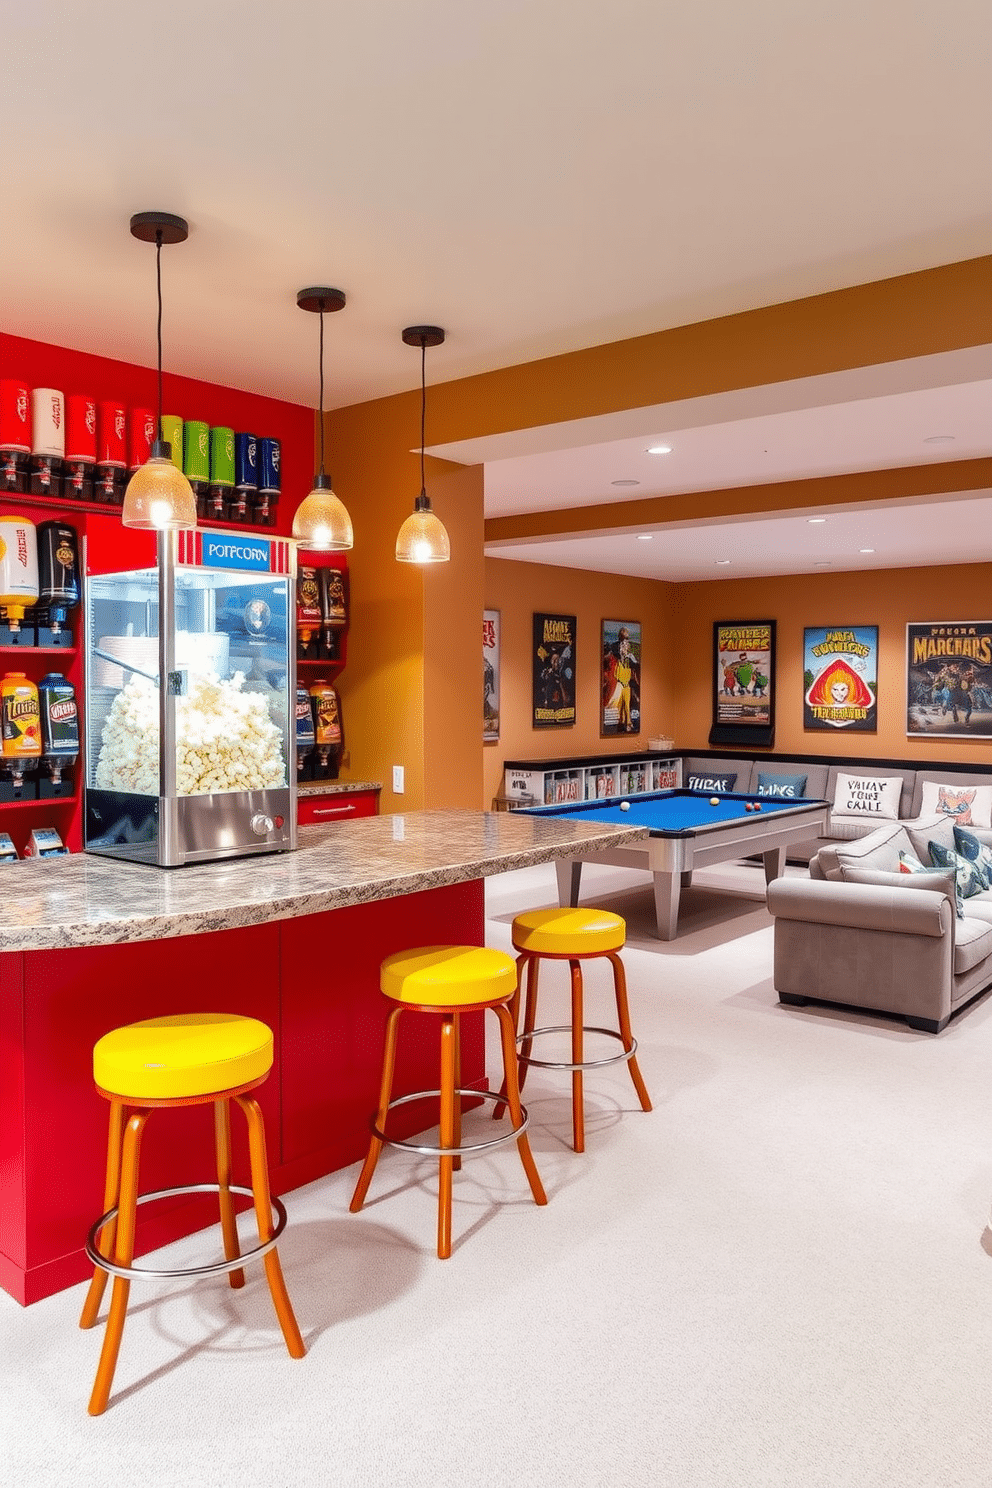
871	418
954	530
532	175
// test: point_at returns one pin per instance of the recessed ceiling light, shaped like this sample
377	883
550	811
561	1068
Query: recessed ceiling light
822	563
645	536
659	449
625	483
812	520
866	550
939	439
720	561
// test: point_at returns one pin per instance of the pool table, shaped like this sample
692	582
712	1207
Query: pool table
687	831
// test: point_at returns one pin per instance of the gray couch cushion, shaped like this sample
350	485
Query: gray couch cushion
849	828
972	943
936	880
927	829
880	850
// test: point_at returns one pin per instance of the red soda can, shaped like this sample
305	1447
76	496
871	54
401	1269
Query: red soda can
142	432
80	428
111	446
15	416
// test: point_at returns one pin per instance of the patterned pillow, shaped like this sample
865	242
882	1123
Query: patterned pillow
910	864
979	855
722	783
968	880
968	805
781	785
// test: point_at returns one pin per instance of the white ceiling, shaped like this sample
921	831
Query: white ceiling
533	175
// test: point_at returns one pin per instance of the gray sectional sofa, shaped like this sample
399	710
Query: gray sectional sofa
860	933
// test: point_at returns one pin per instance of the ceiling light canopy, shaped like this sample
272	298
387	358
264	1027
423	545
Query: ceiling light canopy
422	537
322	522
158	497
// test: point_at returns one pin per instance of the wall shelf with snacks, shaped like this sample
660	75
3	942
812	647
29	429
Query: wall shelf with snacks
590	778
322	619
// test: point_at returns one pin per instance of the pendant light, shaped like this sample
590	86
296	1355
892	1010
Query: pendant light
422	538
158	496
322	522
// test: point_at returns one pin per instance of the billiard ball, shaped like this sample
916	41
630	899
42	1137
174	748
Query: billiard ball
748	805
757	805
714	800
624	805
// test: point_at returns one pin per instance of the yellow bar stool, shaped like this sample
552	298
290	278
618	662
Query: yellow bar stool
448	981
575	936
192	1059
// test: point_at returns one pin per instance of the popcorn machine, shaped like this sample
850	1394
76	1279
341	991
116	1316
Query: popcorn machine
190	687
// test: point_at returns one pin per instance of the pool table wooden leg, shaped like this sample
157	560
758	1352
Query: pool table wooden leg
568	872
774	863
667	889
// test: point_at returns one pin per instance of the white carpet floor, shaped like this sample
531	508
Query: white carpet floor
780	1277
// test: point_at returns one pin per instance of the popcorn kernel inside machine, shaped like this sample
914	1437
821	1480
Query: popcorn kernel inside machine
204	766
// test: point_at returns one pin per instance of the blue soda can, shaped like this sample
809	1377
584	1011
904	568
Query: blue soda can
269	461
245	460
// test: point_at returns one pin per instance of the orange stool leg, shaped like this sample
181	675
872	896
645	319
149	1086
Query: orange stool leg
508	1030
578	1113
123	1256
623	1017
385	1092
526	974
111	1193
228	1224
447	1127
458	1080
263	1217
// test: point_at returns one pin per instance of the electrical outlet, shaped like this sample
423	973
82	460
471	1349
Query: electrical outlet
398	780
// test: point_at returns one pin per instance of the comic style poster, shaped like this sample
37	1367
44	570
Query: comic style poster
490	675
949	679
840	678
743	682
554	671
620	708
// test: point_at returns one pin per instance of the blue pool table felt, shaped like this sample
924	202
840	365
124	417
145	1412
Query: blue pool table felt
675	812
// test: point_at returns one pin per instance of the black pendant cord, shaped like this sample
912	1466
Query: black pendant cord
158	278
322	387
423	412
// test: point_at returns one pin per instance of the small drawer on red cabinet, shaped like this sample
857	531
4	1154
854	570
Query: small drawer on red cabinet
313	810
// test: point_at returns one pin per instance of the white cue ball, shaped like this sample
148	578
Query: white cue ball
714	800
624	805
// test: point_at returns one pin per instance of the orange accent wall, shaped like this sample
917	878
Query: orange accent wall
517	590
889	599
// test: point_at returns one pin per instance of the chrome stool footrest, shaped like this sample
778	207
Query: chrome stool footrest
583	1064
212	1268
466	1148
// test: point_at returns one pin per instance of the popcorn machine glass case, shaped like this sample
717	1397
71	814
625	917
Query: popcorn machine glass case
204	766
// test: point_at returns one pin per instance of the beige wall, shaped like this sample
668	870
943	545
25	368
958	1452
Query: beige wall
517	590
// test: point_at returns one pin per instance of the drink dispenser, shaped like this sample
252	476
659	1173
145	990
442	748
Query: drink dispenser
18	577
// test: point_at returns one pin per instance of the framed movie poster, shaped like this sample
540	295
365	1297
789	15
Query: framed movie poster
490	675
840	678
620	705
949	679
554	671
743	682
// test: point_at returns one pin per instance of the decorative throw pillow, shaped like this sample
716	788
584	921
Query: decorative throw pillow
781	785
979	854
717	783
968	805
868	797
968	881
939	877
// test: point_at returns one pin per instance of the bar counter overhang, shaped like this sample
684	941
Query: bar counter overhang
295	939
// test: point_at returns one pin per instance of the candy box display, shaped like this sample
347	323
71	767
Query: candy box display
204	767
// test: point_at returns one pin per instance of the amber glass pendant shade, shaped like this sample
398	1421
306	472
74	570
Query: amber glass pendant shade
158	497
321	521
422	537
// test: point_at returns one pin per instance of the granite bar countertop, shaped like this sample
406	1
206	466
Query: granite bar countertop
335	787
85	900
